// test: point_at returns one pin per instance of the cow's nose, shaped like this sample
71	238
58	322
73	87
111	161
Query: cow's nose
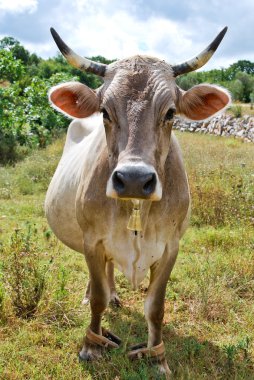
134	182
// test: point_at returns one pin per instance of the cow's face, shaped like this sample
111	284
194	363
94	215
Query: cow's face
138	101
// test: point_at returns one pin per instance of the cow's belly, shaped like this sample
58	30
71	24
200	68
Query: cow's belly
133	256
60	199
60	208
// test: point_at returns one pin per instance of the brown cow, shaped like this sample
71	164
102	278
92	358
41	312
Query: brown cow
126	167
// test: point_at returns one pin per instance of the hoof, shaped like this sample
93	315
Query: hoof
115	300
163	369
155	354
89	353
85	301
95	344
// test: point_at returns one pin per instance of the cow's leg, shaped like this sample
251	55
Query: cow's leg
114	298
96	339
154	309
87	293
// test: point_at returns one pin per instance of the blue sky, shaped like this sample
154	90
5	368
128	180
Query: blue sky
169	29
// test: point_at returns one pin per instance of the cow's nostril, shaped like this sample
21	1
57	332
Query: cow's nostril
118	182
150	184
134	182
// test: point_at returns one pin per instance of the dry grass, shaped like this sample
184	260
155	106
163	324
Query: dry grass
245	108
209	325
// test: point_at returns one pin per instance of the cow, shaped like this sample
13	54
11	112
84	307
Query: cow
120	193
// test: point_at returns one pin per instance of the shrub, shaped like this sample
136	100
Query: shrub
237	111
10	67
24	272
27	120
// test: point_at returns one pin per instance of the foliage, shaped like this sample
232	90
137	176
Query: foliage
18	51
238	78
10	68
27	120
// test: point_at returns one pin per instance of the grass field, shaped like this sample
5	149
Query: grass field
209	314
242	108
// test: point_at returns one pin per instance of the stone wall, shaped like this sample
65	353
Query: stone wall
223	125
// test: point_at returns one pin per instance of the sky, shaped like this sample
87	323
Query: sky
172	30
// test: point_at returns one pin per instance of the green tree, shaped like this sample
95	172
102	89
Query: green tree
251	99
237	90
188	80
26	118
11	69
18	51
248	84
243	66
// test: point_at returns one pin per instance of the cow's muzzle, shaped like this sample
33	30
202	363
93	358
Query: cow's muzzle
138	182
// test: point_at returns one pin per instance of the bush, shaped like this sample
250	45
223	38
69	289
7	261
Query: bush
10	67
27	120
24	272
237	111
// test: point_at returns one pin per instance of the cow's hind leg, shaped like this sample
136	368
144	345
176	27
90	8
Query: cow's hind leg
114	298
87	296
154	310
96	338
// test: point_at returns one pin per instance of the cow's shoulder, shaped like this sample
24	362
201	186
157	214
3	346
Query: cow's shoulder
79	129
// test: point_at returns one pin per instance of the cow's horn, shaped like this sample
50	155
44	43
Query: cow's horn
202	58
76	60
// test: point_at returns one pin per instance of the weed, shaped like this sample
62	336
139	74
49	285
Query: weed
192	348
61	291
230	351
244	345
47	233
59	309
24	272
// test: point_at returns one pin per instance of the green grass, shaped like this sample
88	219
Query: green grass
208	324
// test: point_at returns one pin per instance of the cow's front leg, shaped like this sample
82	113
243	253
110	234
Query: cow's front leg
96	338
154	310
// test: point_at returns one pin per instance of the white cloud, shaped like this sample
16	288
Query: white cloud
120	34
18	6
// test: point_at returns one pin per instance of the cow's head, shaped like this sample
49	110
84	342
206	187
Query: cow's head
138	100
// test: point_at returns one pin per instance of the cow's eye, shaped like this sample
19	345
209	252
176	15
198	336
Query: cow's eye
105	114
170	114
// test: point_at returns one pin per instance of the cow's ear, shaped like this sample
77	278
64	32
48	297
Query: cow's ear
202	101
74	99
